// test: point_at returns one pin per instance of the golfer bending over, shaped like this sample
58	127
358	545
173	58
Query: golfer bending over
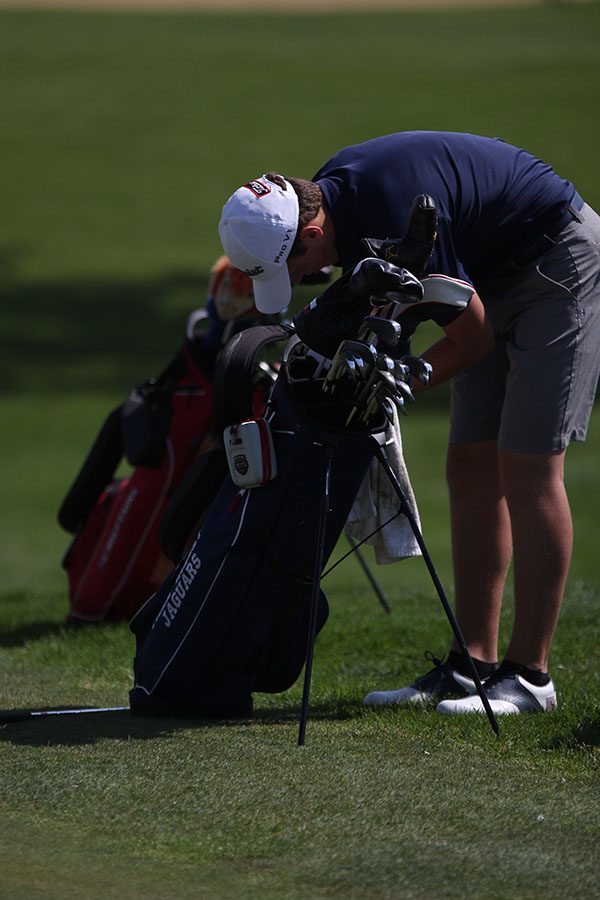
524	359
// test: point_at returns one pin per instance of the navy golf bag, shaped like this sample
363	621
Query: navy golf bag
240	612
233	617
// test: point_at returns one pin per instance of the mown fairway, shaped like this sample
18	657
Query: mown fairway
121	137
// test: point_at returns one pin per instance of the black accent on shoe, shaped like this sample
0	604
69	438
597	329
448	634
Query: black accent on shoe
533	676
484	669
440	681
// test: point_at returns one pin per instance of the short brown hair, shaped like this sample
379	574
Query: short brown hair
310	200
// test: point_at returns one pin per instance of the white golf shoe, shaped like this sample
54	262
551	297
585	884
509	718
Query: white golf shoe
441	681
508	693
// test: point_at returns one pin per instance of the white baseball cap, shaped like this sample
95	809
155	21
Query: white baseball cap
257	229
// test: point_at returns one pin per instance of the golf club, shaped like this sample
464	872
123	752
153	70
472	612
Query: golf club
15	715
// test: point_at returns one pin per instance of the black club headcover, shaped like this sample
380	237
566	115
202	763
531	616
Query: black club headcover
413	249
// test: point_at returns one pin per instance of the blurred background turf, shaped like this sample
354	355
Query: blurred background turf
122	136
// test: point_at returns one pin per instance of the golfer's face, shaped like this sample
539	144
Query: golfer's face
307	263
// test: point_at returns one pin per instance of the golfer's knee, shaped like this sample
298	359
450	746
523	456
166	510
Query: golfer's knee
472	468
527	474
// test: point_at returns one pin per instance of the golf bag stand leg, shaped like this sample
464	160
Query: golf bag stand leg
329	442
405	506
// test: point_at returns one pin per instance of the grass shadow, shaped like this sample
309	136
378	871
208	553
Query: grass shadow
40	629
337	710
98	333
32	631
89	728
582	736
82	729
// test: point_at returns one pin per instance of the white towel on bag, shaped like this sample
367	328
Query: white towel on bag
376	501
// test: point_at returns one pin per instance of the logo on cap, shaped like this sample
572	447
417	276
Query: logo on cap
284	246
257	270
258	188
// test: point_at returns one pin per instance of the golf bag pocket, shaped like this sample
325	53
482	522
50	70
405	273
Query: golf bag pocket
250	453
82	546
147	416
233	616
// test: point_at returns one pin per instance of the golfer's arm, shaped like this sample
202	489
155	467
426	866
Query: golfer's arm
466	340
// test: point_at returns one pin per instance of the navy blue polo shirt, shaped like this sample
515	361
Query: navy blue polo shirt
492	198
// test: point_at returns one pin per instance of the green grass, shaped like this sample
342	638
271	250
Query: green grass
375	805
122	137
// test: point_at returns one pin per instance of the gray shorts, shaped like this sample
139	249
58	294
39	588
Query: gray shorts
535	391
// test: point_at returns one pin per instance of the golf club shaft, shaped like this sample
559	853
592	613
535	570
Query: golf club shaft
13	715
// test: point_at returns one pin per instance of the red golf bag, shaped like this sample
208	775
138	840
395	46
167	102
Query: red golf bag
114	562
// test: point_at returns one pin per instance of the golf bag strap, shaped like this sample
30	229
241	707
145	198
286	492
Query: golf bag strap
234	373
192	497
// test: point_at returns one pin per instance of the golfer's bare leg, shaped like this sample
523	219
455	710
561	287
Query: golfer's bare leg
542	546
481	543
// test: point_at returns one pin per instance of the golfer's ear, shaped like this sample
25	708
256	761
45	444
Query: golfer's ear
311	232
